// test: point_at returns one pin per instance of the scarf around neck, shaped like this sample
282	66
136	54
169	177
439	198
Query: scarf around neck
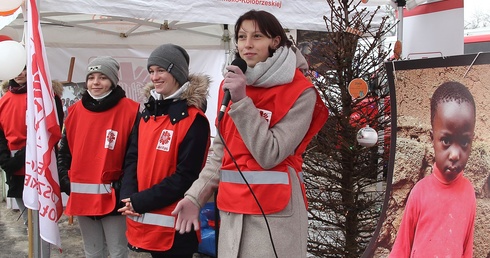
104	104
276	70
16	88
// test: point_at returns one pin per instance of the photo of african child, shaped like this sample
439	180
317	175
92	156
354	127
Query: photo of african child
442	148
438	220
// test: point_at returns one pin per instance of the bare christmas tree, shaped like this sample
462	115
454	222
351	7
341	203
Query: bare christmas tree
344	180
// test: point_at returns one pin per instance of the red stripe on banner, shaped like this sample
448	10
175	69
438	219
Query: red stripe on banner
434	7
38	68
43	133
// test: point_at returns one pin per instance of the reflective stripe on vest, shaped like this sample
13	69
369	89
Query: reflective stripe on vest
155	219
300	176
255	177
90	188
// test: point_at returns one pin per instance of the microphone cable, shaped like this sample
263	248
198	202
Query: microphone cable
249	187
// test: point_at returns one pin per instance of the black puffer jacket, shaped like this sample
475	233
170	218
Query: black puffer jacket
190	159
196	96
10	165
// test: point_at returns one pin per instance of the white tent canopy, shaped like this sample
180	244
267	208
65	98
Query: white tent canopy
305	14
129	30
189	23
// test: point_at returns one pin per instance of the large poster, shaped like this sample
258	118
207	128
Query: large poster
414	82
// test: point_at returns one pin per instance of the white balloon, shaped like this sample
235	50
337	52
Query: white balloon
367	136
8	5
13	56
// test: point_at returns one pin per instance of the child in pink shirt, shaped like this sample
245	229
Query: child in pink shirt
438	220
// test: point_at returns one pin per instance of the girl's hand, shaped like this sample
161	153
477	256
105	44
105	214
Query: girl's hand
187	216
235	81
128	208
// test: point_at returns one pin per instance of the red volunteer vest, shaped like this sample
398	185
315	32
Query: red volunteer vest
98	143
13	121
158	146
272	187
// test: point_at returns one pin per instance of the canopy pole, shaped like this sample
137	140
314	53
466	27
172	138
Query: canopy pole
399	27
227	46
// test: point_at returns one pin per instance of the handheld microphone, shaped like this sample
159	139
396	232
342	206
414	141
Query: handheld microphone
226	98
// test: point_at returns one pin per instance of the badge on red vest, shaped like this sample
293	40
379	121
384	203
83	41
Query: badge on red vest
165	140
110	139
266	114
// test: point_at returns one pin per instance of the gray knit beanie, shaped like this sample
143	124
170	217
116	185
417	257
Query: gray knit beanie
105	65
172	58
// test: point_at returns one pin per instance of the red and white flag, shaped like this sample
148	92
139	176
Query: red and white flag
41	189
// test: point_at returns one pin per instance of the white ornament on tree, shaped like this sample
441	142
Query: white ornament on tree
367	136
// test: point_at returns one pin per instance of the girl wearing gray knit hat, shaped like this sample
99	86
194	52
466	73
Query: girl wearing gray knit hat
173	59
102	76
91	157
169	152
